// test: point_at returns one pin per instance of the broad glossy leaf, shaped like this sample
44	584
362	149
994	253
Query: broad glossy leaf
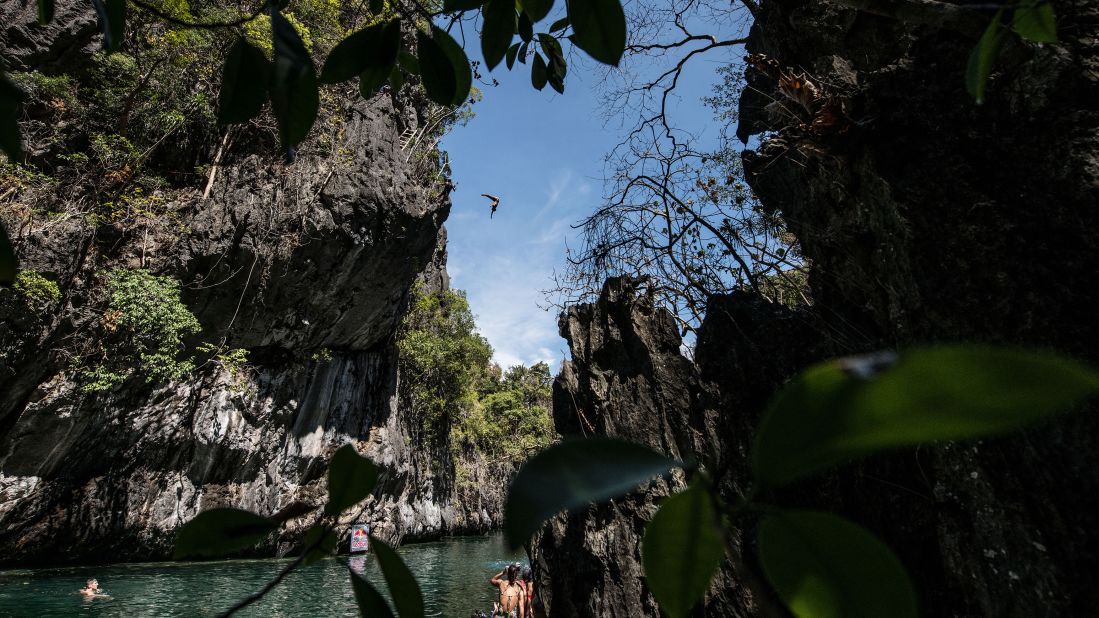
8	263
523	53
538	72
371	81
463	74
823	566
556	77
537	9
403	587
846	408
11	141
218	532
573	474
351	478
560	24
325	541
551	46
408	62
462	5
45	11
396	79
497	30
983	58
436	71
513	51
244	82
372	49
599	28
1036	23
114	24
682	550
525	28
371	603
294	96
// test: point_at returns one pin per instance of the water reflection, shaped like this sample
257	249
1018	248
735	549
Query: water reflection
453	574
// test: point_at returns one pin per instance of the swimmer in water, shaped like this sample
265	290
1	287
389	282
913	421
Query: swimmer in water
90	589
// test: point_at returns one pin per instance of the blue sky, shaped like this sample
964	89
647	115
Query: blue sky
542	154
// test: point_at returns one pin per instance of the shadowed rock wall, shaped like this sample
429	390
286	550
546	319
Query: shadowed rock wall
925	218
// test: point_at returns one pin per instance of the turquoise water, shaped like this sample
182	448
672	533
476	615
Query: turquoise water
453	574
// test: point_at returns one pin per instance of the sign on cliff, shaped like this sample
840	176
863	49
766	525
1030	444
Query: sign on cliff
360	538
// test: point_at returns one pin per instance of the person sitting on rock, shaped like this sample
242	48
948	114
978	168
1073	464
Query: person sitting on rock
512	597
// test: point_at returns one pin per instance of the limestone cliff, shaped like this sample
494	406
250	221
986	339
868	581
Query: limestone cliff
925	218
308	267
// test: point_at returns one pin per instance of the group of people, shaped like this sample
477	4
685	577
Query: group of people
518	598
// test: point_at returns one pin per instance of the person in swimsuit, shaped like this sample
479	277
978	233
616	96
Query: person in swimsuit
534	607
512	597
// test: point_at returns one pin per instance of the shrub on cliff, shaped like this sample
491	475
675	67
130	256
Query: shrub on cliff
146	324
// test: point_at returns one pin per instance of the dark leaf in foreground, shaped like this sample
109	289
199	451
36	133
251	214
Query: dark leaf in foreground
403	587
351	478
682	549
847	408
823	566
244	81
573	474
220	532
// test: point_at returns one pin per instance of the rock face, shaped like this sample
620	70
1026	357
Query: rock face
925	218
626	378
307	266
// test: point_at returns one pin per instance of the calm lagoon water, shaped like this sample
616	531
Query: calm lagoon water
453	574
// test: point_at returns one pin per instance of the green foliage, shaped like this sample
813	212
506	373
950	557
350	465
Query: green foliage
37	288
1036	22
219	532
351	478
682	549
511	417
843	409
150	321
572	475
823	566
441	357
41	88
982	58
1032	20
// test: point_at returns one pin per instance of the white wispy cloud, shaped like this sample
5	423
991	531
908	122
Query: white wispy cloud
504	264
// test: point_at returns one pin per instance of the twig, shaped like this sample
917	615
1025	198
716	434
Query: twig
216	162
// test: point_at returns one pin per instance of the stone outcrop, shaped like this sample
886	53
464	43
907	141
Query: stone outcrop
925	218
308	267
